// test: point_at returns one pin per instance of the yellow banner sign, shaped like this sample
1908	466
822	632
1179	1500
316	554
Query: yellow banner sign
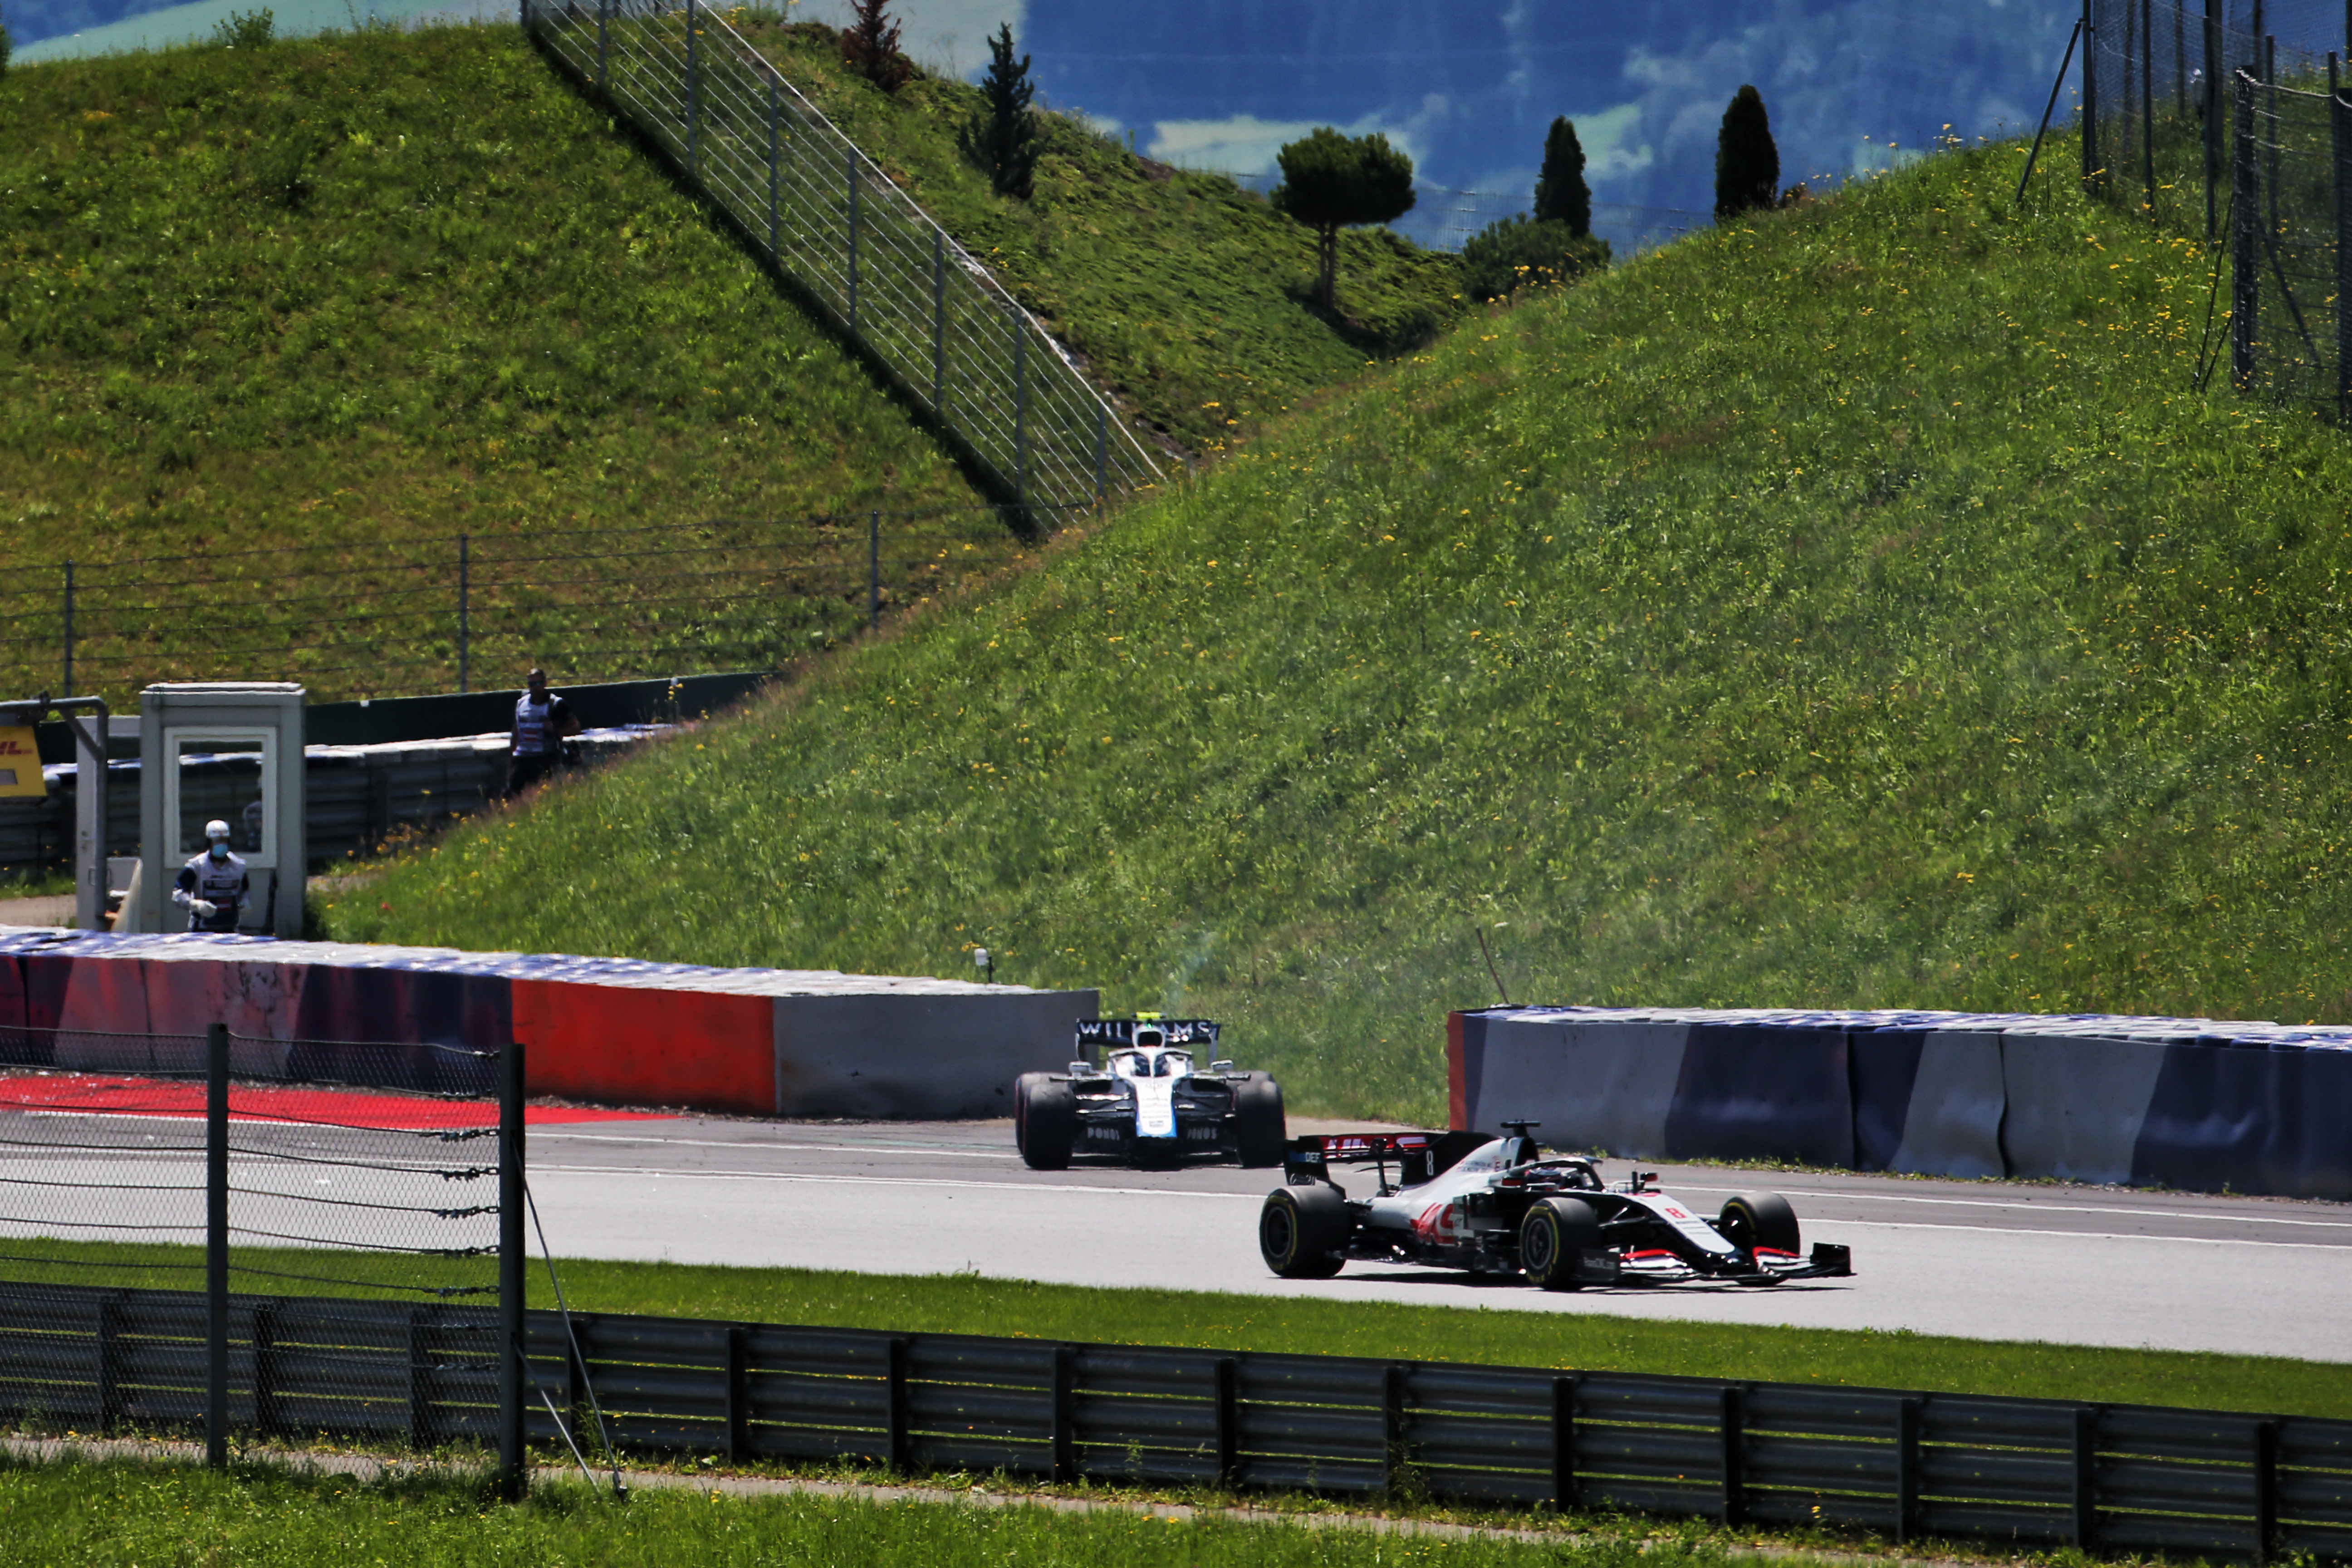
20	763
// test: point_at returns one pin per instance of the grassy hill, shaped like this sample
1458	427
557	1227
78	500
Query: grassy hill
379	286
1185	294
1857	606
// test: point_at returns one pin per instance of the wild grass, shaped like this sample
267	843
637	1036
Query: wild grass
1856	607
128	1513
1497	1335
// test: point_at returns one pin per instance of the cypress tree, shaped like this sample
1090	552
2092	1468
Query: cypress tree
1561	195
1004	142
1747	163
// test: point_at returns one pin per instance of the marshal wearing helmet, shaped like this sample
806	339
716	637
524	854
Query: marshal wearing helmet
213	887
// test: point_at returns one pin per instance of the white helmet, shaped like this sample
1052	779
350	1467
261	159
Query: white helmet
215	828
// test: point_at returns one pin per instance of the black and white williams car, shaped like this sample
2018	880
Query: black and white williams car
1146	1104
1501	1206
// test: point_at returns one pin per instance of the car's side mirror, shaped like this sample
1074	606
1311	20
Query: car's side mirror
1221	1066
1080	1069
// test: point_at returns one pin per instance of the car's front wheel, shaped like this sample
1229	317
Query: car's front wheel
1301	1231
1046	1124
1554	1235
1765	1220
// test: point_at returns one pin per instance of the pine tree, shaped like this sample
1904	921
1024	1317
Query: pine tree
869	46
1561	195
1330	182
1747	163
4	45
1004	142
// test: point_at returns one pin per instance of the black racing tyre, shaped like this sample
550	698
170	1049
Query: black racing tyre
1554	1234
1021	1087
1259	1130
1760	1219
1046	1124
1301	1230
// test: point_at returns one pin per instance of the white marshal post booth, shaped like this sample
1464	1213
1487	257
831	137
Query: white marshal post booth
230	750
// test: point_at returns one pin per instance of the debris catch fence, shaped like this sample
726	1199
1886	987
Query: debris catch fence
286	1239
2226	117
831	219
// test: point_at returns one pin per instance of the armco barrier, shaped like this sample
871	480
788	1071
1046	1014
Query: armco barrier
2027	1471
2185	1103
763	1041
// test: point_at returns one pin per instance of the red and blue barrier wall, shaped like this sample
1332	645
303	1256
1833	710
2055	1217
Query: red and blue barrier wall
620	1031
2191	1103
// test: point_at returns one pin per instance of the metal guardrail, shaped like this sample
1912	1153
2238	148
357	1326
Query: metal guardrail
831	220
2098	1476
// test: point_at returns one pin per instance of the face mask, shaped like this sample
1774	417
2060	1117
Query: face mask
220	848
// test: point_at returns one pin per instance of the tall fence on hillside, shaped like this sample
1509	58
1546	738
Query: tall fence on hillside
2225	117
369	618
282	1238
829	218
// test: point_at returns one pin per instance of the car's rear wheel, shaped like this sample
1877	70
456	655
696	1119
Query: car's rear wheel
1046	1124
1301	1231
1554	1235
1021	1087
1259	1130
1760	1219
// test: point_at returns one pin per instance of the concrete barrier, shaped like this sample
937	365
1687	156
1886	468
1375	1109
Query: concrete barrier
2182	1102
764	1041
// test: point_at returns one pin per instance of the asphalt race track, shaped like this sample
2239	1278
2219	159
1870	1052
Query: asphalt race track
1990	1260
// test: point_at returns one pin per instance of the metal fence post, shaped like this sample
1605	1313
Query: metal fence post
739	1394
2266	1490
2085	1511
1394	1386
2339	139
901	1441
1020	418
1563	1441
1906	1468
464	610
69	685
1734	1453
852	159
693	96
216	1244
2148	100
512	1257
1102	455
873	572
775	234
939	323
2244	277
1065	1412
2090	97
1229	1422
2214	66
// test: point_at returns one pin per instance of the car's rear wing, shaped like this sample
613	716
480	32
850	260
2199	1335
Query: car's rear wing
1117	1034
1419	1155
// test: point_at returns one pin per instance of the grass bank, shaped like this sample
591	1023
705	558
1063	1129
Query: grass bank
1856	607
139	1513
1498	1336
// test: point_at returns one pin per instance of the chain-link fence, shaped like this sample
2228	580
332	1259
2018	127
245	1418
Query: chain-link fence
286	1239
2223	117
353	616
994	381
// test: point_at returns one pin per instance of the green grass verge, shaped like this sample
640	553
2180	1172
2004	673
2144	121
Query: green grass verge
132	1513
1858	607
1500	1335
1184	293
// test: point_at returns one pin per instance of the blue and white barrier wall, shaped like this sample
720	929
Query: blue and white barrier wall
2192	1103
766	1041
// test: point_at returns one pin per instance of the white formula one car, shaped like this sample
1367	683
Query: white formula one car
1500	1206
1146	1105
